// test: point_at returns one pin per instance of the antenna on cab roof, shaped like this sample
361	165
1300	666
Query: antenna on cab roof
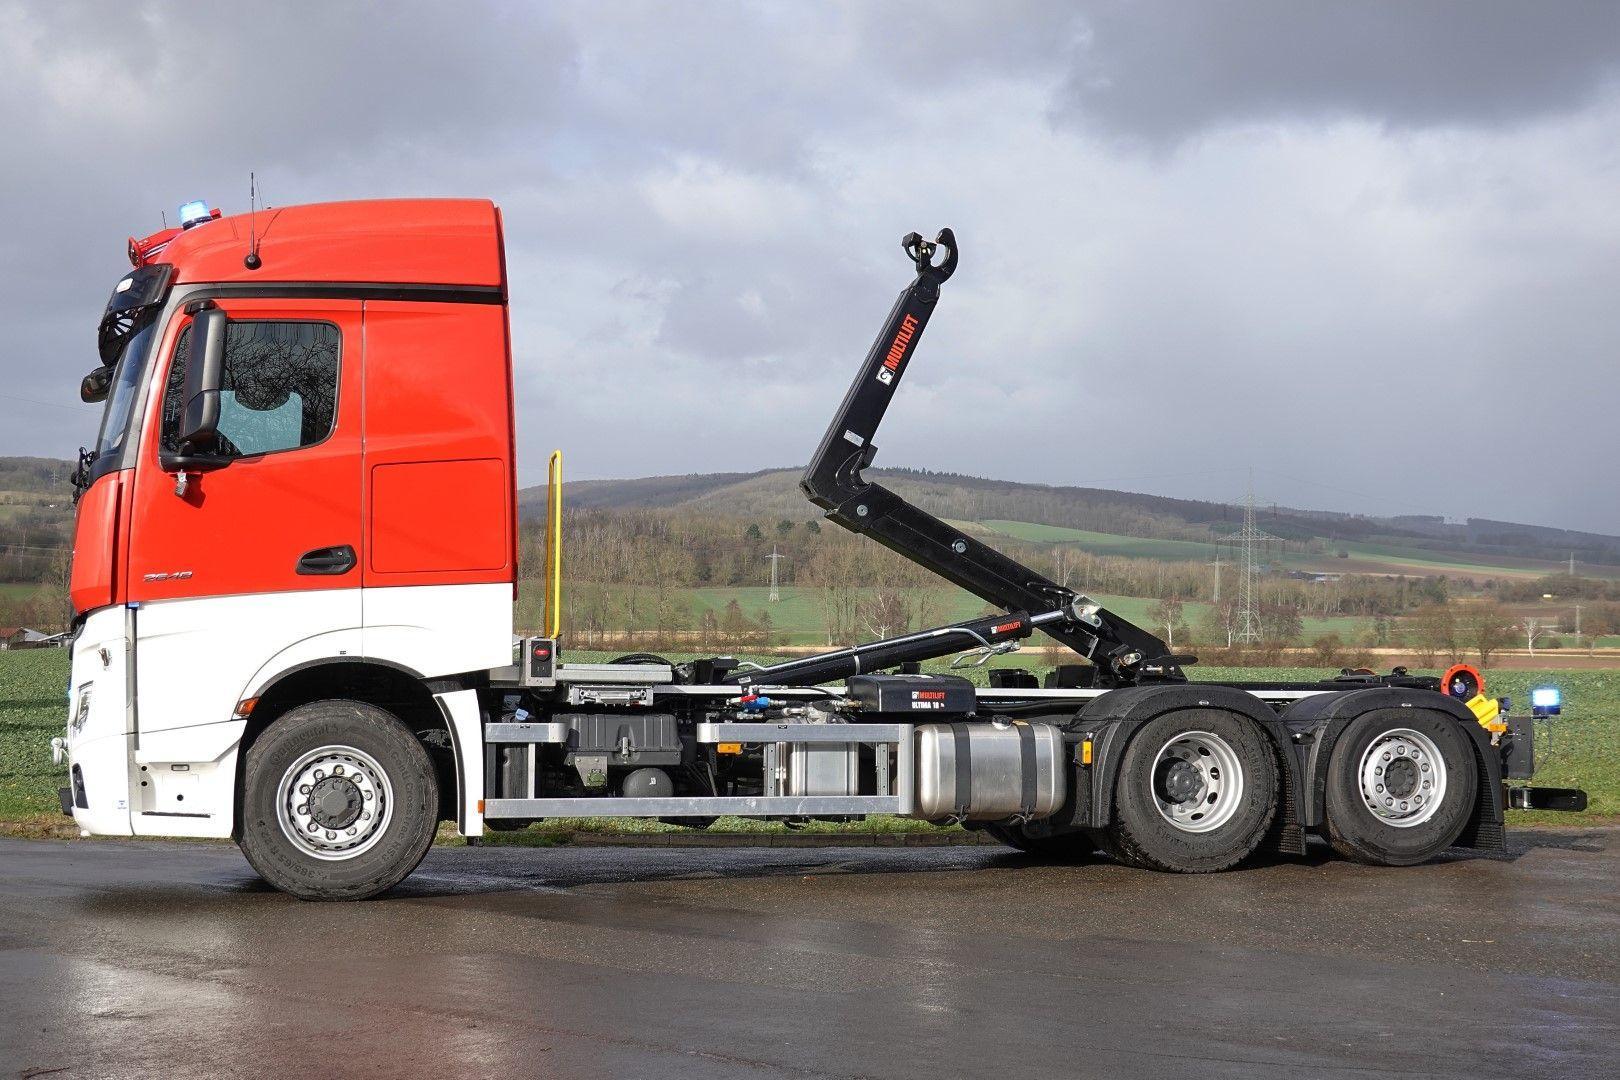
253	262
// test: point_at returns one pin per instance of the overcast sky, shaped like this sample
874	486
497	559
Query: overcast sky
1370	251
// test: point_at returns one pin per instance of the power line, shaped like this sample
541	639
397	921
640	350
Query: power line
775	558
1248	610
47	404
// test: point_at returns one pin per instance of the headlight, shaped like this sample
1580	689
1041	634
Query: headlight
81	711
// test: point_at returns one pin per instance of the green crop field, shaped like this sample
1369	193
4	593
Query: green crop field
1361	558
1104	543
33	707
797	618
1583	749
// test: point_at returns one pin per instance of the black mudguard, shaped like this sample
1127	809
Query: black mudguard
1314	725
1111	721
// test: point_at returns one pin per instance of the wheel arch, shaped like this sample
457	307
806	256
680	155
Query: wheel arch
1319	722
1115	717
387	685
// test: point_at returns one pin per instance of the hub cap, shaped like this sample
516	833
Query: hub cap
1403	778
334	802
1197	781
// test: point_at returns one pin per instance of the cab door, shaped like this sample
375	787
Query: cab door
244	565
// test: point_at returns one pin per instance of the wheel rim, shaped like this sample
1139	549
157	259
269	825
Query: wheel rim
1197	781
334	802
1403	778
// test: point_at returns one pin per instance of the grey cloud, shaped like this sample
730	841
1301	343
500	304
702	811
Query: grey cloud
1160	70
703	204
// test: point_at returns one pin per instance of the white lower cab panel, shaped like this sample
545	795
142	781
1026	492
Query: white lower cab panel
438	630
196	660
99	724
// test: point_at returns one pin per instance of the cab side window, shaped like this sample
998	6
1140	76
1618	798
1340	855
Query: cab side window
279	390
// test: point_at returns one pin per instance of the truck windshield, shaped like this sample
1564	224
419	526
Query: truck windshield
121	396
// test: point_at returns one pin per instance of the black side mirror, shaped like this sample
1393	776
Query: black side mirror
205	371
96	384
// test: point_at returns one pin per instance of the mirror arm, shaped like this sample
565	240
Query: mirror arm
183	465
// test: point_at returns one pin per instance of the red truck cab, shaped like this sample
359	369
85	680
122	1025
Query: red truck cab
351	513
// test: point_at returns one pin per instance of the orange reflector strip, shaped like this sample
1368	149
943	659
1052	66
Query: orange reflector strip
728	748
244	708
480	806
1085	752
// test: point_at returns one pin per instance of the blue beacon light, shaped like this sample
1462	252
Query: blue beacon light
193	213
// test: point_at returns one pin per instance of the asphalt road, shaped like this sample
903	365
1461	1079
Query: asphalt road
160	959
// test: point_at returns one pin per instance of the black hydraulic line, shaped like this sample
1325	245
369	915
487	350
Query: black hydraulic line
983	632
1123	652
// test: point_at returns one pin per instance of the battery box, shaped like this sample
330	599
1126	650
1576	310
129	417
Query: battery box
913	695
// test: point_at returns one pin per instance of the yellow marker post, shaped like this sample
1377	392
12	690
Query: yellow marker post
553	612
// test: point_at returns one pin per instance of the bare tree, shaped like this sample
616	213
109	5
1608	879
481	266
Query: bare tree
1487	626
1167	614
1534	630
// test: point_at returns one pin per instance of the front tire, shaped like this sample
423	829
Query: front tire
341	802
1400	787
1196	791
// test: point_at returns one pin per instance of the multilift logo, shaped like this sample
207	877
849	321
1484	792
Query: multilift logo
897	351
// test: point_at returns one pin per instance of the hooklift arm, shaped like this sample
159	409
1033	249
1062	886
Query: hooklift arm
1122	652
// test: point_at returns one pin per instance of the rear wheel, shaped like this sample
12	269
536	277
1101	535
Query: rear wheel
1400	787
341	802
1196	791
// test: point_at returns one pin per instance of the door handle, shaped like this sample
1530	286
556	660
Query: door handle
327	560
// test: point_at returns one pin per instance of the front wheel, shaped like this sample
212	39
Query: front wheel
341	802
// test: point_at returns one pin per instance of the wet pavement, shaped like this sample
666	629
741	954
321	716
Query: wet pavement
169	959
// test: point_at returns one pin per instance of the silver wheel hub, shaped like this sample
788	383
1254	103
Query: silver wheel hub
1403	778
1197	781
334	802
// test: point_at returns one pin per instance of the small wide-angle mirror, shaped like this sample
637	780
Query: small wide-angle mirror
95	385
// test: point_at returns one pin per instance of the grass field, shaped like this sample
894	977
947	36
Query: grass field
1584	749
1361	558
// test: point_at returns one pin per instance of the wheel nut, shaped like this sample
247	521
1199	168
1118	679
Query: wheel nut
320	774
337	770
303	808
331	836
303	789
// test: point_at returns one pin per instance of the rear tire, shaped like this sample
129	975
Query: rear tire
1196	792
340	802
1400	787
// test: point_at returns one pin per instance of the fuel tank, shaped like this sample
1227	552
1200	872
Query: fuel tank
989	770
